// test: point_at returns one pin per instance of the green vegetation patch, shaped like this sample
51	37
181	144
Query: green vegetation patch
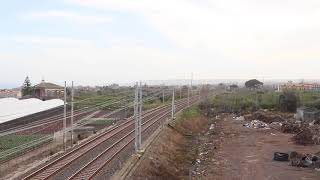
11	141
252	100
13	145
102	122
192	112
152	104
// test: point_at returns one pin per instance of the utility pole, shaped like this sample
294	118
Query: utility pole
136	117
191	84
173	107
180	92
188	97
72	108
162	96
125	108
200	93
65	116
140	112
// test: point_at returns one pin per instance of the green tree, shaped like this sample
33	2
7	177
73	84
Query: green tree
26	87
253	84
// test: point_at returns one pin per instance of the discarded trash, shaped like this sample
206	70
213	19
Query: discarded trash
267	116
203	153
240	118
308	135
278	156
198	161
211	127
292	127
257	125
304	160
275	125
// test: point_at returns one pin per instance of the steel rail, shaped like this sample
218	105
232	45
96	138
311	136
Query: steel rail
56	118
88	142
93	171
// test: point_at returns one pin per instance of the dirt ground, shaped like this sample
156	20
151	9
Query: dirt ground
247	154
172	154
226	151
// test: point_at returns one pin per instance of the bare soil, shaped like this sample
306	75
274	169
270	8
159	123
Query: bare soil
228	151
173	153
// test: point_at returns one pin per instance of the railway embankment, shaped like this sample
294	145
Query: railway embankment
173	154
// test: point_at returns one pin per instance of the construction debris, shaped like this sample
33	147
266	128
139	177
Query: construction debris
304	160
292	127
308	135
257	125
240	118
276	125
267	116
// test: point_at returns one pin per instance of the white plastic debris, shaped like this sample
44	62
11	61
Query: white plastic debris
211	127
257	125
240	118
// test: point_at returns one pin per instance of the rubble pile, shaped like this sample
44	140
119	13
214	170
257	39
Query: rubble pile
257	125
292	127
299	159
308	135
276	125
305	133
268	116
304	160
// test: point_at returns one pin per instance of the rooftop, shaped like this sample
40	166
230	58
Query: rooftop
47	85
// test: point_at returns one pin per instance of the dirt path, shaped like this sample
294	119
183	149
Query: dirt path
247	154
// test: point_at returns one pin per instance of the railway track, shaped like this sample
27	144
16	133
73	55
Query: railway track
89	159
78	114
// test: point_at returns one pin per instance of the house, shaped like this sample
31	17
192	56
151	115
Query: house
46	91
307	87
6	93
233	88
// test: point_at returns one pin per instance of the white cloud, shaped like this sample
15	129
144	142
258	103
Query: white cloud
212	38
236	28
49	41
67	16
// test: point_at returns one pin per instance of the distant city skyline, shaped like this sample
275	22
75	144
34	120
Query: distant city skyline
122	41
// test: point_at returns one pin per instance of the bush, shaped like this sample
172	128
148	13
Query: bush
288	101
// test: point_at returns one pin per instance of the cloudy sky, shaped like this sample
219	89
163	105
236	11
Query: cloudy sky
102	41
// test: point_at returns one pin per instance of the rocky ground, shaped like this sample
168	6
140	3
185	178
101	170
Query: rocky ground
223	149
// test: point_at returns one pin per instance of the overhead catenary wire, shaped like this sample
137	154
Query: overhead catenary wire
146	99
84	110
